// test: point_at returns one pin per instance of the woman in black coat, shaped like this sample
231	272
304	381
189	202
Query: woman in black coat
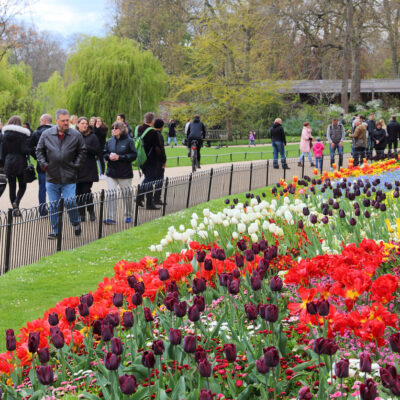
3	179
15	151
88	173
101	131
379	140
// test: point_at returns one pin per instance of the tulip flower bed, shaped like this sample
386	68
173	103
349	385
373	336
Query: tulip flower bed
278	299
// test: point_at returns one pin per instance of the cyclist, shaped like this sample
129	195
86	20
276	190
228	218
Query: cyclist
196	132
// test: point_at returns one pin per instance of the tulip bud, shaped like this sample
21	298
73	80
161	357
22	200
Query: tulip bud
180	309
139	287
137	299
148	359
112	319
271	313
255	247
58	340
172	287
118	299
234	287
368	390
313	219
148	316
221	254
204	367
199	354
111	361
241	245
189	344
107	332
127	383
239	260
251	312
87	298
394	340
175	336
127	319
199	302
300	224
116	346
249	255
163	274
44	355
193	313
261	365
255	281
200	256
33	341
45	374
342	368
306	211
276	284
312	308
131	281
158	347
365	362
11	343
230	352
388	376
199	285
206	395
70	314
271	355
53	319
323	308
208	264
97	326
319	345
83	309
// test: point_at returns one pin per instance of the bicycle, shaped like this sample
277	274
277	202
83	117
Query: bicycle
193	155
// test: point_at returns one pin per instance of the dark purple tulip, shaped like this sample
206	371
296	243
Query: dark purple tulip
276	284
249	255
331	347
55	330
342	368
112	319
208	264
44	355
239	260
382	207
261	310
251	312
148	316
394	340
206	395
305	394
33	341
221	254
170	300
204	367
45	374
255	281
180	309
158	347
271	313
199	354
87	298
172	286
148	359
139	287
11	343
366	202
213	252
300	224
107	332
357	212
137	299
70	314
271	355
234	287
319	345
396	194
313	219
255	247
200	256
58	340
352	221
230	352
83	309
236	273
193	313
323	308
118	299
325	220
189	344
199	302
163	274
368	390
263	244
127	319
127	383
131	281
241	245
53	319
175	336
388	376
10	332
261	365
306	211
111	361
335	205
367	214
365	362
97	326
199	285
342	214
116	346
312	308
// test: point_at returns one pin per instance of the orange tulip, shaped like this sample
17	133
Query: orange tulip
315	171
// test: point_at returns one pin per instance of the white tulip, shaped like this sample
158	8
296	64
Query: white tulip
254	238
195	216
235	235
193	222
152	248
216	234
164	242
241	228
253	202
159	248
225	223
206	212
266	225
182	228
203	234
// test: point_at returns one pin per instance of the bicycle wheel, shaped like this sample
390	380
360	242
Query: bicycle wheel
194	160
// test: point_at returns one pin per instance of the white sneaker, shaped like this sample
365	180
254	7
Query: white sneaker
102	176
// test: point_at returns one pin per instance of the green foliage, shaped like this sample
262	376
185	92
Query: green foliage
109	75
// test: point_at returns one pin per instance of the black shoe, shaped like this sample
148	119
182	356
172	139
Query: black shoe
152	206
16	212
285	166
158	202
92	216
52	236
141	203
77	229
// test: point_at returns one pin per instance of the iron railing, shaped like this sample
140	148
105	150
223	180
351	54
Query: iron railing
23	239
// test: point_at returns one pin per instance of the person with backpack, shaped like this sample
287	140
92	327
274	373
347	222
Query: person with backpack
335	135
149	151
196	132
119	152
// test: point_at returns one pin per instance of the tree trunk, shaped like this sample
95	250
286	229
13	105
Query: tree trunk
355	93
392	24
347	54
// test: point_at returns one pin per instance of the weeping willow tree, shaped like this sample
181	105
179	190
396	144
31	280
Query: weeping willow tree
107	76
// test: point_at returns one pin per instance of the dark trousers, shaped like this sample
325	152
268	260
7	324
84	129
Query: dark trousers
370	147
199	146
85	197
102	165
12	186
159	184
42	193
359	154
2	188
150	177
393	143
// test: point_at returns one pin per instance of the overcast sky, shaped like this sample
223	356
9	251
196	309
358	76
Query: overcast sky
69	17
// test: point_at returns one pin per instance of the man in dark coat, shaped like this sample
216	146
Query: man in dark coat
3	179
371	125
196	132
393	130
61	152
162	160
152	147
278	140
45	123
121	118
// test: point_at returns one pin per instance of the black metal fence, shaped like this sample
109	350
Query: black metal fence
23	239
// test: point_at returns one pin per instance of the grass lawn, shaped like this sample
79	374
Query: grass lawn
26	293
212	155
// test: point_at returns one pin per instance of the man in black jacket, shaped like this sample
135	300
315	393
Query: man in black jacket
278	140
161	162
60	152
152	147
371	125
45	123
196	132
393	131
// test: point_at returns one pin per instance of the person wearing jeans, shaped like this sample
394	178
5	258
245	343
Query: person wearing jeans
360	142
335	135
318	149
119	152
278	139
61	152
305	144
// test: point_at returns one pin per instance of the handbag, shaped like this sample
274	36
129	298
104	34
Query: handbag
29	172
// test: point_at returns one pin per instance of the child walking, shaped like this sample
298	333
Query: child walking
252	138
318	148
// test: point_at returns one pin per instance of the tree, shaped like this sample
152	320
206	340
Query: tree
111	75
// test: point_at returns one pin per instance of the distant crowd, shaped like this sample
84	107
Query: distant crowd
72	154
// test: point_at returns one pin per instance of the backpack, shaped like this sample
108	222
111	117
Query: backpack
139	144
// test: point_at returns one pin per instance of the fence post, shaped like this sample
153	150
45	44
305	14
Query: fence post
267	179
165	196
245	156
230	181
189	187
302	168
322	164
209	185
102	197
8	239
251	175
231	156
60	223
177	159
137	205
216	159
261	155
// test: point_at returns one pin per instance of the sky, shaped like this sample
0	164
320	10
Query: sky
69	17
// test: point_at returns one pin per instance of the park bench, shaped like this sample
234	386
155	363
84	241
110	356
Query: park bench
216	136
